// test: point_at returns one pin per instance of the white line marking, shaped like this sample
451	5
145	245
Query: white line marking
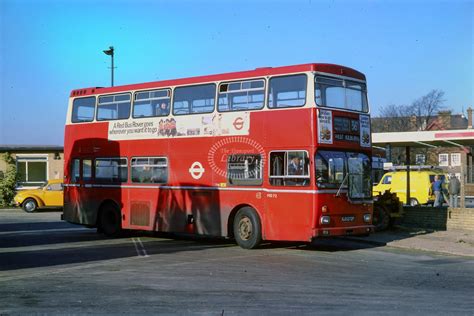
25	232
141	252
143	248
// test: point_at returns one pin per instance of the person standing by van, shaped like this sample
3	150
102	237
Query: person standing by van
437	189
454	187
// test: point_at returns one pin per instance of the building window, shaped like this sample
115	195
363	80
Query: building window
420	159
289	168
32	170
443	160
455	160
244	169
149	170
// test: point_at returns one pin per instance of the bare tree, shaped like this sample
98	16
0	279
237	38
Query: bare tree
426	108
417	116
392	118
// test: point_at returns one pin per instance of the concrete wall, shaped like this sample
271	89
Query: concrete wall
55	167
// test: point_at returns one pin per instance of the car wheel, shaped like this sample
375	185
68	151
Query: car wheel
414	202
247	228
30	205
110	222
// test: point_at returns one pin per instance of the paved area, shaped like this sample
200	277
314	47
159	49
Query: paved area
51	267
458	242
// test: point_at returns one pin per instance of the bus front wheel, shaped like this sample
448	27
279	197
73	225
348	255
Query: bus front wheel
247	228
109	220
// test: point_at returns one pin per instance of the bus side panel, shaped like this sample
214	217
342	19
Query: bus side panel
289	216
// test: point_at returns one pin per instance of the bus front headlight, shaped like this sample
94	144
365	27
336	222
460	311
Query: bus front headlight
367	218
325	220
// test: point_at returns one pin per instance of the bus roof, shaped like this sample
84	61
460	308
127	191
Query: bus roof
258	72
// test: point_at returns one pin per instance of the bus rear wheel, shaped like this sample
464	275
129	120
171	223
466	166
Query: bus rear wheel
110	222
247	228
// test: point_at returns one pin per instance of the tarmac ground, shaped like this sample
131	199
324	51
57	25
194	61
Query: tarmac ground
52	267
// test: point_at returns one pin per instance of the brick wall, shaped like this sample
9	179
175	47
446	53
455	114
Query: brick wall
438	218
460	218
425	217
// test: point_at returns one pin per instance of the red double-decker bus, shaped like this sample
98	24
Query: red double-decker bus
268	154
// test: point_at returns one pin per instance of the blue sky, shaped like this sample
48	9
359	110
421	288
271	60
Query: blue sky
48	48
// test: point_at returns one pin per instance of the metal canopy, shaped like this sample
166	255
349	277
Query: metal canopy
462	138
449	138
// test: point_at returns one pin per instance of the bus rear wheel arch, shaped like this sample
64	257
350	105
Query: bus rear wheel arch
109	220
247	228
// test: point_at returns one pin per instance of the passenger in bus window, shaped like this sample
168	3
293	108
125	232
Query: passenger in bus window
163	110
295	168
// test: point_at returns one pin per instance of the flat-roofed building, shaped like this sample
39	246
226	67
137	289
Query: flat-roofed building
35	164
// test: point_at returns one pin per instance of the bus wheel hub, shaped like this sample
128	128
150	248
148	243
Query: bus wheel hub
245	228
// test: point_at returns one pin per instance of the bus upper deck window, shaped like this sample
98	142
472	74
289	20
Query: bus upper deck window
194	99
152	103
113	107
83	110
341	94
241	95
287	91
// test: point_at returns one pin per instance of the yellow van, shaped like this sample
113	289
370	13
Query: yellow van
420	185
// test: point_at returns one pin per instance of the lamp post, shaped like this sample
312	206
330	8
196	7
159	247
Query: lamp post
110	52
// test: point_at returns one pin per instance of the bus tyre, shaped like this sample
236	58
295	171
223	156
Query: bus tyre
30	205
110	222
381	218
247	228
414	202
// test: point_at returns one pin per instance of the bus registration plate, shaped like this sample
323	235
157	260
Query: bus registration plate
348	218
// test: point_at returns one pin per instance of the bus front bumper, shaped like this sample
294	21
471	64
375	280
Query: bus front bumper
343	231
